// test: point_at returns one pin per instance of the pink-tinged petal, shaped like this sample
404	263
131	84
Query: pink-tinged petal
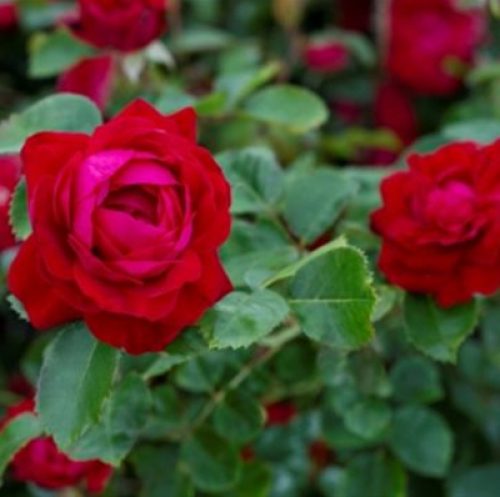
46	153
92	78
144	172
44	306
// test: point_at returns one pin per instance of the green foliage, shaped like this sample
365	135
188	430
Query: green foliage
18	213
61	112
477	482
435	331
296	109
75	380
333	298
50	54
242	319
213	464
422	440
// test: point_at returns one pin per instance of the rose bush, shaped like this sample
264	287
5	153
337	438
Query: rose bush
126	240
262	247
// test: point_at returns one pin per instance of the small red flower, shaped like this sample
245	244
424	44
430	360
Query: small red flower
123	25
280	413
430	42
440	223
326	56
8	15
126	227
41	462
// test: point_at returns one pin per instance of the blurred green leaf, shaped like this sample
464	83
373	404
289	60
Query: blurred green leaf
368	418
255	481
213	463
256	179
51	54
422	440
18	212
435	331
75	380
61	112
479	130
313	202
238	417
416	379
481	481
292	107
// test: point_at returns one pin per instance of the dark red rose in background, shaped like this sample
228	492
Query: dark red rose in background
430	42
280	413
440	223
326	56
355	14
124	25
92	78
10	171
126	227
8	15
41	462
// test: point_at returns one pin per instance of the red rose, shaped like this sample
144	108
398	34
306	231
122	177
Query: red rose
280	413
10	170
123	25
440	223
126	227
92	78
326	56
8	15
430	42
41	462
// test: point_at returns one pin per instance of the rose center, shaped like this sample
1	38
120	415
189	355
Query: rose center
451	208
140	202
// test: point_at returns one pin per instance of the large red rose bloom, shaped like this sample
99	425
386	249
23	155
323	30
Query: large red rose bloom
430	41
41	462
440	223
124	25
126	227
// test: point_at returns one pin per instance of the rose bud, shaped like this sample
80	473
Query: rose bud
40	462
435	36
8	15
10	171
126	227
440	226
327	56
123	25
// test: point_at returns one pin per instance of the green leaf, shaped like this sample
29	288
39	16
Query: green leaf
368	418
313	202
242	319
295	108
214	465
255	481
18	212
200	39
75	379
422	440
479	130
150	463
372	475
61	112
238	417
334	299
17	306
124	416
416	379
483	481
51	54
435	331
15	435
256	179
201	374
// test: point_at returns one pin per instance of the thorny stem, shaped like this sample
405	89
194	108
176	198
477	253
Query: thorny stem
274	344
